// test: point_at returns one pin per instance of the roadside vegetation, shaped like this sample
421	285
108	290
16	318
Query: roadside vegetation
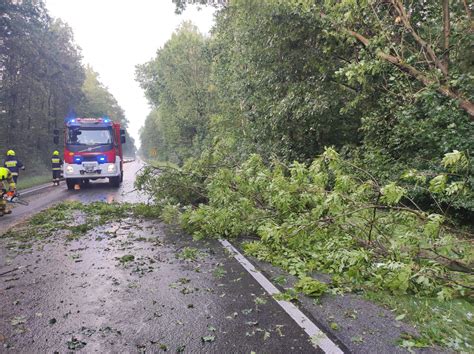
336	136
71	219
334	218
31	181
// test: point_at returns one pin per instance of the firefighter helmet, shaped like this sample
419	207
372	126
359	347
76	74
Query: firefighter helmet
10	153
55	153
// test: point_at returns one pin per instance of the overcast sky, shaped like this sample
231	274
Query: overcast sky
116	35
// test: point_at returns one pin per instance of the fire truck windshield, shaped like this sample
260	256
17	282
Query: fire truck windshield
84	136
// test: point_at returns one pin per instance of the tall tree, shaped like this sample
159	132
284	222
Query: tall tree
41	77
152	137
271	60
301	74
177	84
97	101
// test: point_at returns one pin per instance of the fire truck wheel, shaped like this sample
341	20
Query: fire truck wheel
114	181
70	183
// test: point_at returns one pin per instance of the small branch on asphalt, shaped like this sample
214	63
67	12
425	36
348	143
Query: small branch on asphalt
9	271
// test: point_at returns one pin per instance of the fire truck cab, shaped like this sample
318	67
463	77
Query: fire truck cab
92	150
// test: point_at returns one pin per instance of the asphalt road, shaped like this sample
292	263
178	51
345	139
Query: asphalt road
78	295
98	190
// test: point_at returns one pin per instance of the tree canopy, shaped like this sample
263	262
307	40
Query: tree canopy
177	84
42	79
390	81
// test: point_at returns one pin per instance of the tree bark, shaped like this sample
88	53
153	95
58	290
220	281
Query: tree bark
446	33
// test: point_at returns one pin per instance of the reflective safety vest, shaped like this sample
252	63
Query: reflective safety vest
13	164
6	179
56	163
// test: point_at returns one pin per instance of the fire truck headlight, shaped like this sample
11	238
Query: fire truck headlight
69	169
111	168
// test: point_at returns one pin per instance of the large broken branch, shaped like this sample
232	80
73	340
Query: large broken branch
464	103
397	4
468	10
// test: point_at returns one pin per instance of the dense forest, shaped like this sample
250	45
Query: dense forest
338	135
42	81
387	84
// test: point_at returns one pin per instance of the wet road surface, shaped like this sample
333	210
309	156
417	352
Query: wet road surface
123	287
98	190
138	286
74	294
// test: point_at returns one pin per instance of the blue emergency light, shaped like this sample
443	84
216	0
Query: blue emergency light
78	160
102	159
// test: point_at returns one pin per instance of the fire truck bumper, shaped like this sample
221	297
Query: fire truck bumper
91	170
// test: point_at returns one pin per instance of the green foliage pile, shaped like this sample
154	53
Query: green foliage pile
72	218
331	217
186	185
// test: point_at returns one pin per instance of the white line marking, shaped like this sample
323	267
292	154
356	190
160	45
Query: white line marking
317	336
35	189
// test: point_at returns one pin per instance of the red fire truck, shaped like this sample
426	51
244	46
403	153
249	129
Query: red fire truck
92	150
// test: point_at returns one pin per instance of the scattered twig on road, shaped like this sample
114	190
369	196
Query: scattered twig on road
134	190
9	271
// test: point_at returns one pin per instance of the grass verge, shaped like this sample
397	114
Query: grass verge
32	181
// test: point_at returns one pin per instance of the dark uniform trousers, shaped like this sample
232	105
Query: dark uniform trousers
56	164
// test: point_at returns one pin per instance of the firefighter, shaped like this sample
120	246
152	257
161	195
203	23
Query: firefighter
13	164
6	180
56	166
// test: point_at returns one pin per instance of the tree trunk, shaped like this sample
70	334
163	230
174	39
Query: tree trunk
446	33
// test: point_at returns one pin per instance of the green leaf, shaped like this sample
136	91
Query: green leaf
438	184
455	161
401	317
311	287
208	339
391	193
433	224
